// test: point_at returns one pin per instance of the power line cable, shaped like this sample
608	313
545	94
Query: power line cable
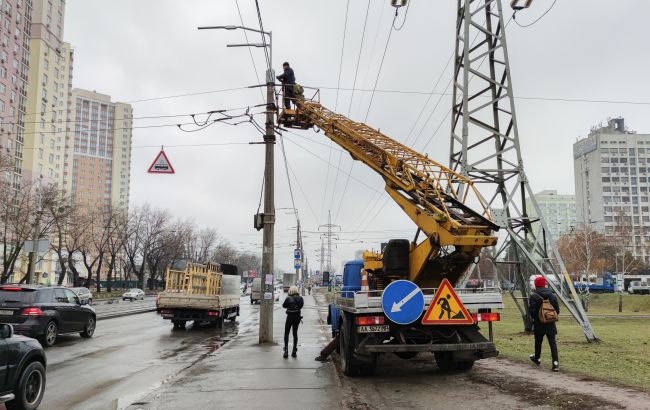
381	64
514	15
356	71
336	102
354	84
329	163
266	51
406	13
286	169
379	196
250	52
372	54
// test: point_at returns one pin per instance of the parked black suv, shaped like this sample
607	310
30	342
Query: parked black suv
22	370
45	312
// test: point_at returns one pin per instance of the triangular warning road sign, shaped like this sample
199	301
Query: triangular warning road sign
446	308
161	165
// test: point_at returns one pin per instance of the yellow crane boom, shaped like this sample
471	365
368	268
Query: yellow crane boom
435	197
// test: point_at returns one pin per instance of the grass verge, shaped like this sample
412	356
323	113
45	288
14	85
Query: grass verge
622	356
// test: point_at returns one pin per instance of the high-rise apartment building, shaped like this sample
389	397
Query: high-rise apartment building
101	160
15	27
559	211
48	96
611	167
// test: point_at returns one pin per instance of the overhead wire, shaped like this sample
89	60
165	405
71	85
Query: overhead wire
250	52
406	13
336	103
354	84
365	119
372	54
365	214
514	15
286	169
266	51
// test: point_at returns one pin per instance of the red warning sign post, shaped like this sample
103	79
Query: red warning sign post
446	308
161	164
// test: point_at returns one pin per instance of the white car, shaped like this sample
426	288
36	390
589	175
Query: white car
133	294
84	295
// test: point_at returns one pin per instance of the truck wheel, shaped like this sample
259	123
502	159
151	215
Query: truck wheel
464	365
179	324
346	350
346	346
447	363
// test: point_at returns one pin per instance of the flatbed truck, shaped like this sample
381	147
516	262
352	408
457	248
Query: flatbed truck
200	292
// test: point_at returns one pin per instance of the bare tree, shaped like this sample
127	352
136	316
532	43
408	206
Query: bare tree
146	226
584	250
18	208
117	237
60	213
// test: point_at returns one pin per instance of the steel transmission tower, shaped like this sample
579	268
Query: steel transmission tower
485	147
328	236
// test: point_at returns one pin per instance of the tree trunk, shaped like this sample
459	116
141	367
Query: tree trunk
73	269
109	275
64	270
98	273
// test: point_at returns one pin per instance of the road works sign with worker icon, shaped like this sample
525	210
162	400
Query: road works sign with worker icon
402	302
446	308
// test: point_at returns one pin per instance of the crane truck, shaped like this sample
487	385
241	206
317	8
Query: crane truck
200	292
442	205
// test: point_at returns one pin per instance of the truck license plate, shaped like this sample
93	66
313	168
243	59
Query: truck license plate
6	312
373	329
168	315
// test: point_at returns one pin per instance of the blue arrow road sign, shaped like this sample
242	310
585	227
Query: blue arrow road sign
402	302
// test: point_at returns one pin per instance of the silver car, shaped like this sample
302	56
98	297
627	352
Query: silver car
133	294
85	295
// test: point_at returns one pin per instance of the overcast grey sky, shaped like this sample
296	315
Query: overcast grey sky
133	50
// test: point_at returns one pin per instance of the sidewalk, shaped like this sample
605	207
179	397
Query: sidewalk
244	374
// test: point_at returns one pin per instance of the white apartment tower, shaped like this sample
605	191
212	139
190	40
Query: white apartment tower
612	182
559	211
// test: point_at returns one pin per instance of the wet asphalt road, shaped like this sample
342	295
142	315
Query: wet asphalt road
126	358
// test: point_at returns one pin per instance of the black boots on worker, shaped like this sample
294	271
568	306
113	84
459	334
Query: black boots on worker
294	352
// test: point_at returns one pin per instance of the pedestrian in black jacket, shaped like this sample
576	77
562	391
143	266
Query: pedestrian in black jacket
288	80
543	329
293	303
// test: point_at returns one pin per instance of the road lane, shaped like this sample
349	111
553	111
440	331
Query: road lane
127	357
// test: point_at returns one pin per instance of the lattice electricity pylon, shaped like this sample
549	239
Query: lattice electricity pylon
485	147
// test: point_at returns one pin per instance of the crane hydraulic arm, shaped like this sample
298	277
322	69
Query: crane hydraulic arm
436	198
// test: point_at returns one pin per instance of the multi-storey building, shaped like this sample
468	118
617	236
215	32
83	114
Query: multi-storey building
15	27
48	95
559	211
101	160
612	182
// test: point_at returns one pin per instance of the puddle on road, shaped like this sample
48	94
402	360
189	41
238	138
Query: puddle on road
196	339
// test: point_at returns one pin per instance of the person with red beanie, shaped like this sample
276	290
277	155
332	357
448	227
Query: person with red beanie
540	330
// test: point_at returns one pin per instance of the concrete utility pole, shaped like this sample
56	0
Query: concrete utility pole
266	308
268	217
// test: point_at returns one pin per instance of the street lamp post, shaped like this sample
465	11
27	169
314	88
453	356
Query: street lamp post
268	217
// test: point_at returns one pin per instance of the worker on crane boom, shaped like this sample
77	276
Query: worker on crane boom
288	79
